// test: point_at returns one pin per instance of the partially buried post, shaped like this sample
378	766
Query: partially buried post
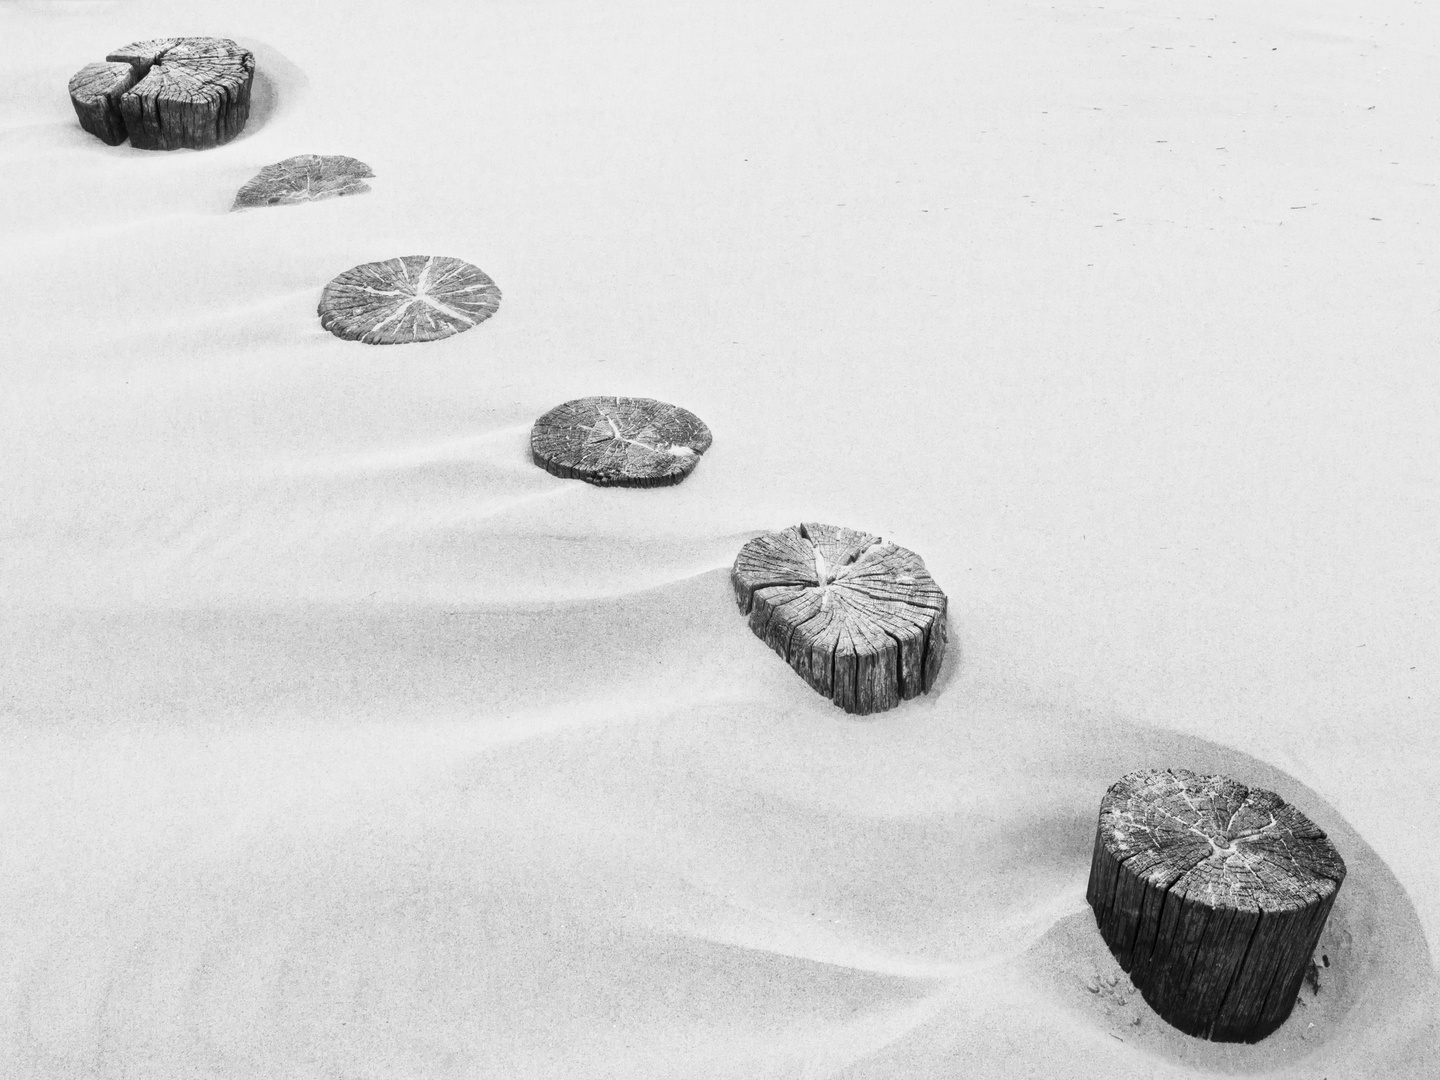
859	619
1212	895
304	178
167	93
619	441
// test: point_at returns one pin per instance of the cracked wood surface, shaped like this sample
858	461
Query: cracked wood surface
167	93
619	441
95	91
410	298
1212	895
858	618
304	178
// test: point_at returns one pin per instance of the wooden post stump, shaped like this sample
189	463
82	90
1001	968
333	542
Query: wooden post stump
304	178
411	298
858	618
619	441
167	93
95	91
1212	895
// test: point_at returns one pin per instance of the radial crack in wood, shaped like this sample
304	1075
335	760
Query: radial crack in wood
858	618
304	178
1212	895
406	299
167	94
619	441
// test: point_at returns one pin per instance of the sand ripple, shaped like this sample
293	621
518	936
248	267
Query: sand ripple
347	842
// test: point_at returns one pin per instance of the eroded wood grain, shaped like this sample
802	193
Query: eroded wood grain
167	93
304	178
619	441
858	618
95	91
407	299
1212	895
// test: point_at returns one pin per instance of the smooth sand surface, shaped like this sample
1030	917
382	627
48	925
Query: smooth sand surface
337	740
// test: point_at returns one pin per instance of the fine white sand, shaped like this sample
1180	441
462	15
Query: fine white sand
339	741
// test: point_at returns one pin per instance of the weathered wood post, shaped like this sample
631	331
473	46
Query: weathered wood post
95	91
858	618
619	441
1212	895
167	94
407	299
304	178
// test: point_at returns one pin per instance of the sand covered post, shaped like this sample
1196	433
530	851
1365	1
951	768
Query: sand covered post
619	441
407	299
167	94
1212	895
858	618
304	178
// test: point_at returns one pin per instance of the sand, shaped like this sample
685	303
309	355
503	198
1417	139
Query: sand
337	740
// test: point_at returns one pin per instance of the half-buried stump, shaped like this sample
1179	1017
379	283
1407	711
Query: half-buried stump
619	441
411	298
858	618
1212	895
304	178
167	94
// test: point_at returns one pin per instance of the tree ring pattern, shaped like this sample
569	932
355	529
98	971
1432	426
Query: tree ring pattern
858	618
619	441
407	299
304	178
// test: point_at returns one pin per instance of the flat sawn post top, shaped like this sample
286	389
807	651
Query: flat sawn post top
407	299
617	441
304	178
1242	847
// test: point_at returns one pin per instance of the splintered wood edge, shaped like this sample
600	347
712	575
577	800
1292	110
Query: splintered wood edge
95	91
883	635
680	438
